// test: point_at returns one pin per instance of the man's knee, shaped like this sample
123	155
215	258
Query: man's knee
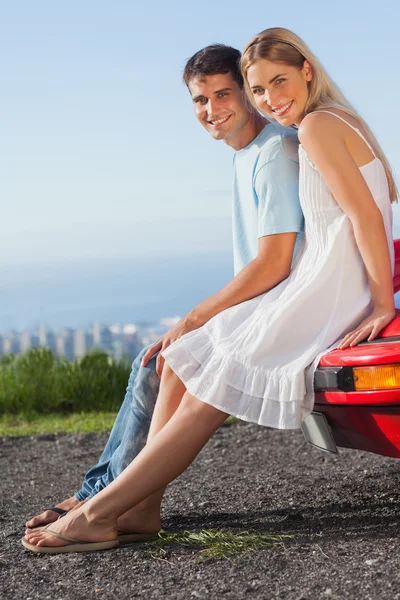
144	386
137	363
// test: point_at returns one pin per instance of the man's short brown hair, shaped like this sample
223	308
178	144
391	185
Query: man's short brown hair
213	60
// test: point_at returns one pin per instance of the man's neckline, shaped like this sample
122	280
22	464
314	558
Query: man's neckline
246	148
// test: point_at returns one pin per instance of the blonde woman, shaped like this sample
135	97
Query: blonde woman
252	359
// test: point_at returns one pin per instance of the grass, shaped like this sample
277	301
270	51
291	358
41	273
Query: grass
37	424
39	382
230	421
213	543
40	393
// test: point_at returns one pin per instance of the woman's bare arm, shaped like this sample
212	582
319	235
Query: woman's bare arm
325	144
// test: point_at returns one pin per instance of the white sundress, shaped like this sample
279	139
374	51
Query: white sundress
256	360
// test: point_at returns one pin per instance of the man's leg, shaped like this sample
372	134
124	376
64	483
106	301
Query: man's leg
130	430
127	437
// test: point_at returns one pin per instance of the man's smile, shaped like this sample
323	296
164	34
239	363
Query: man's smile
218	122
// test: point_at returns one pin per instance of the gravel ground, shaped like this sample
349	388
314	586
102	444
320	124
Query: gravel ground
341	511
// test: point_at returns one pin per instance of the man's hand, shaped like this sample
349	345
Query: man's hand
183	326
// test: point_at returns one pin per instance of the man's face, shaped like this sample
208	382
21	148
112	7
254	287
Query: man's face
220	106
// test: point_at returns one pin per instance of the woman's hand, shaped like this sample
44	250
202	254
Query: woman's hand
183	326
369	328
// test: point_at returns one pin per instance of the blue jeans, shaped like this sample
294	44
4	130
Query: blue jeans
131	427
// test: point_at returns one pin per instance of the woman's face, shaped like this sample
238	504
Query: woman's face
280	90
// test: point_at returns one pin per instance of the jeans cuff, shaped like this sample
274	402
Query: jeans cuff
81	495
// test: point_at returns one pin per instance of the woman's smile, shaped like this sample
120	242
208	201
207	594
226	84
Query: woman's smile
283	110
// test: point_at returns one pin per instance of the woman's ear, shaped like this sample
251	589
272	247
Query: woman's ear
307	71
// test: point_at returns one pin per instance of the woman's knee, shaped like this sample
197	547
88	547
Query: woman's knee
167	372
171	379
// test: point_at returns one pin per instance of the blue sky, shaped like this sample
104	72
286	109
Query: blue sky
100	150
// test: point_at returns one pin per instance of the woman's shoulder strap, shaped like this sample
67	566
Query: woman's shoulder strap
350	125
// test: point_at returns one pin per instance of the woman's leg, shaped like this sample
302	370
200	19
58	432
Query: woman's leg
145	517
166	456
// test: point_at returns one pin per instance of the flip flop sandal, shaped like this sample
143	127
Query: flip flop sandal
123	536
74	545
55	509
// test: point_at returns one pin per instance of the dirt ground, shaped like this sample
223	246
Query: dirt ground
342	513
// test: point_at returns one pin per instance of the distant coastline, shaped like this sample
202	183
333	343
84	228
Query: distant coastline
78	292
108	290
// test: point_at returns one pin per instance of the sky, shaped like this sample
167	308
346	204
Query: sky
100	151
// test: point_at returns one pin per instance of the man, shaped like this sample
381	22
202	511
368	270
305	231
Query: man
267	221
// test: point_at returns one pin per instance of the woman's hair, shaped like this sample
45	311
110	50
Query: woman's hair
283	46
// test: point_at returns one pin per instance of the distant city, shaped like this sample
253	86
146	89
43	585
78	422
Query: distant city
118	340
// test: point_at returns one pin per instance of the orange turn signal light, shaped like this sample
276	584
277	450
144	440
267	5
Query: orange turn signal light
381	377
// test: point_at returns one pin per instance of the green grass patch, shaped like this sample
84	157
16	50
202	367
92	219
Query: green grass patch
40	393
37	424
85	422
39	382
213	543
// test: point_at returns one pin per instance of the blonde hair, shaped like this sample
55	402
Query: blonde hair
281	45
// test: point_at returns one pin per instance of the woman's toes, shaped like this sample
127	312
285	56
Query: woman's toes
37	535
42	539
30	530
31	538
50	541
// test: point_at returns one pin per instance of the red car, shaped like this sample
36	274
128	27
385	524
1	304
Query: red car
357	400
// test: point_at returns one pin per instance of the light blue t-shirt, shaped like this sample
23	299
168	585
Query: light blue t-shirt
265	191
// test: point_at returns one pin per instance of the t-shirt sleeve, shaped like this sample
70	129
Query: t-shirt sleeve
277	187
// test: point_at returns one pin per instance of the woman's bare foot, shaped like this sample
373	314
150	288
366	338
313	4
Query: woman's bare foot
77	525
140	519
49	516
143	518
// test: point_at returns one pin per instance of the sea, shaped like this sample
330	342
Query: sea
76	293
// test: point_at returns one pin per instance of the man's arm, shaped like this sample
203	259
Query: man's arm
270	267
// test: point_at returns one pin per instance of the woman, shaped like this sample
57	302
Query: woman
251	360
